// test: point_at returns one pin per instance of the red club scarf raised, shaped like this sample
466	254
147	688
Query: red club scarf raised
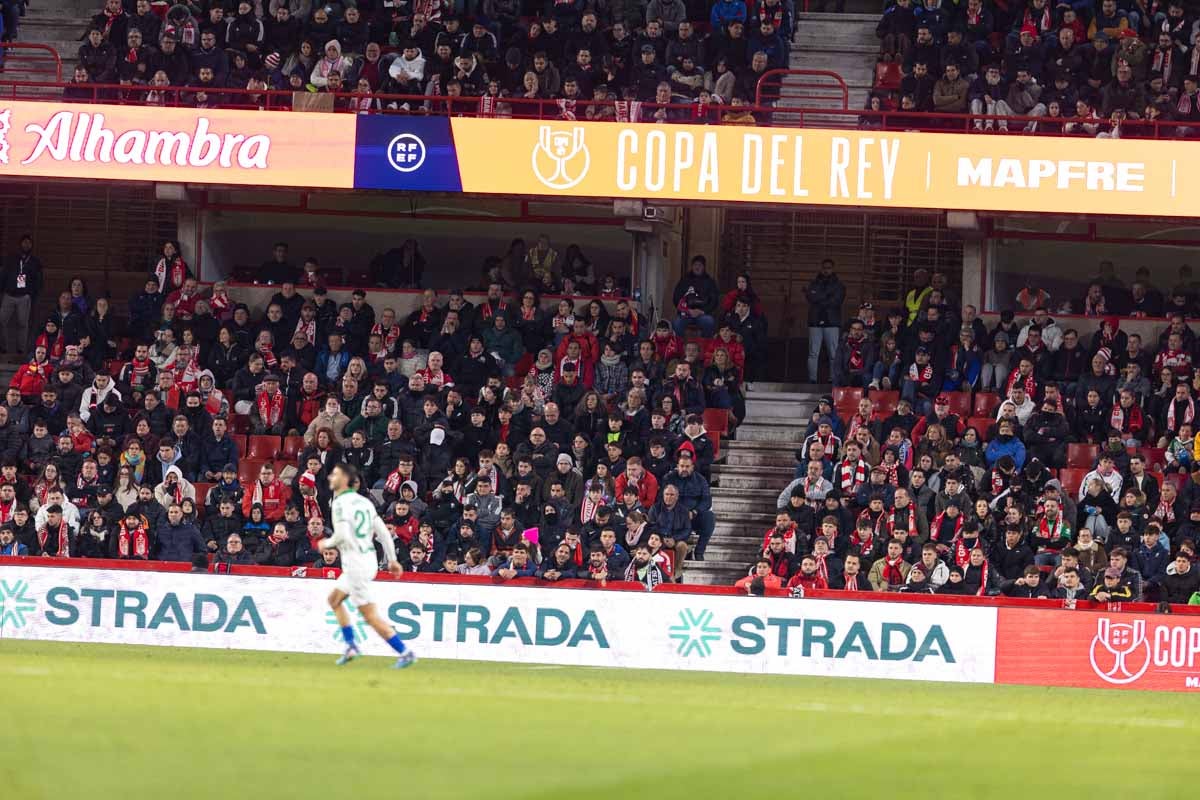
892	471
963	548
1126	421
859	421
63	536
850	477
998	482
270	408
822	567
6	511
307	329
1189	414
390	336
936	528
1026	381
1165	512
133	543
862	546
910	528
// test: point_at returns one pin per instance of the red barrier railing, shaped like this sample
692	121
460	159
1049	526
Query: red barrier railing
589	110
32	58
801	86
670	588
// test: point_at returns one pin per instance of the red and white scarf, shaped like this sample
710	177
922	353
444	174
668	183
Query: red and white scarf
1189	413
1027	381
936	528
892	574
920	374
269	497
270	408
6	511
64	539
308	329
859	421
389	336
1125	421
852	477
910	528
861	545
133	544
962	550
1047	536
1164	512
822	567
588	509
170	276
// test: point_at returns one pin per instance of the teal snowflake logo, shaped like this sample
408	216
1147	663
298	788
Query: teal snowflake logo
695	633
15	604
359	624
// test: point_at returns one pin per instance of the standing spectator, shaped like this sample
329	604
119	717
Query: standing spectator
825	295
696	296
21	282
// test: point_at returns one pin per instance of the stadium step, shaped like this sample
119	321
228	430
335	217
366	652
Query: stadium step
751	431
758	465
732	476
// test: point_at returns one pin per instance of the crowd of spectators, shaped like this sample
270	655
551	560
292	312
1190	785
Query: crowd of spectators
502	438
1023	459
595	61
1102	69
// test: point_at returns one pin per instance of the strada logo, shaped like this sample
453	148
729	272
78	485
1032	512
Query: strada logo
84	137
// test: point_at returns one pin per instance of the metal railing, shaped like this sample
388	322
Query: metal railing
763	113
31	58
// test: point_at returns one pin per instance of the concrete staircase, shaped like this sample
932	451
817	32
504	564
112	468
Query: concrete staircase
754	469
59	24
841	43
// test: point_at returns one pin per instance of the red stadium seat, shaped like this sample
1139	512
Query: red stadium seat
846	394
248	470
1082	456
114	367
239	424
202	490
981	425
263	448
985	404
239	441
1156	458
292	447
887	76
1072	478
885	402
960	403
716	421
716	443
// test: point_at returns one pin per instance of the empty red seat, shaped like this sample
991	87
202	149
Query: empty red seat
981	425
888	76
985	404
960	403
1082	455
248	470
292	447
885	402
239	441
846	394
1072	479
262	448
716	421
239	424
1156	458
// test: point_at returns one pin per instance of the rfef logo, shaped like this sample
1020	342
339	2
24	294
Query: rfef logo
1120	652
406	153
561	158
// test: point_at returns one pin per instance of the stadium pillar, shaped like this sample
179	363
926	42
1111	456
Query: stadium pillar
972	273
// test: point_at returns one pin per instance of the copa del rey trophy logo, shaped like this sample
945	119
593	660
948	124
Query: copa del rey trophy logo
561	158
5	124
1120	653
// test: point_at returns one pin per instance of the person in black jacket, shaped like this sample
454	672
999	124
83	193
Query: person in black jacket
21	282
695	298
560	566
1010	559
1029	584
825	295
178	540
1180	585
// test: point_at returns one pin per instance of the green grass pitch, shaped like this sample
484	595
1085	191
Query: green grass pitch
100	721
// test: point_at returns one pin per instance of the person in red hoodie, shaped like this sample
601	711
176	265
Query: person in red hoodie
809	577
31	377
666	344
589	347
272	493
635	475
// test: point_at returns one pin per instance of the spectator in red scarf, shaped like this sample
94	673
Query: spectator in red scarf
269	492
268	416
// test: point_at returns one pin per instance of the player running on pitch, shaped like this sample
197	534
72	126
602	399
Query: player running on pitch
356	526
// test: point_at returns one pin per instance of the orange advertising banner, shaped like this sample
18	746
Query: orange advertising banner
1098	650
183	145
861	168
